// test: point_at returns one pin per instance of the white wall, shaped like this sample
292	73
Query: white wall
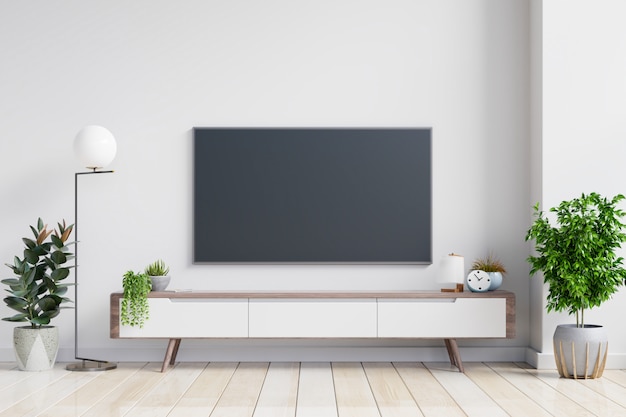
583	131
152	70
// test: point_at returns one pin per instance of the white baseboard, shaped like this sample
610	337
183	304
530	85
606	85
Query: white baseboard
540	360
194	353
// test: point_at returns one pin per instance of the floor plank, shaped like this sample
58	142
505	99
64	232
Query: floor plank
242	393
608	389
505	394
554	402
280	391
354	396
391	394
127	394
10	375
163	397
26	383
472	400
316	391
578	391
203	394
79	401
616	375
432	398
40	399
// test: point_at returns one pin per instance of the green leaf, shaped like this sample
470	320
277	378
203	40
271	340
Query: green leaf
61	290
56	241
47	304
29	276
11	281
29	242
17	318
41	320
17	304
60	274
30	256
58	257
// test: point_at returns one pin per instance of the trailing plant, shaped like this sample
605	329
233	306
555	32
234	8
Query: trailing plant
135	308
157	268
577	254
37	291
489	264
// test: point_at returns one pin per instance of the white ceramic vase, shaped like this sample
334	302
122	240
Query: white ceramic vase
496	280
35	349
580	352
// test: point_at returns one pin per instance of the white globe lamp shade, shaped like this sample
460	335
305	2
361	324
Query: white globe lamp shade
95	147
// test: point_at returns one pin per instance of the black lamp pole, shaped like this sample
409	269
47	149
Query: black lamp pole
85	364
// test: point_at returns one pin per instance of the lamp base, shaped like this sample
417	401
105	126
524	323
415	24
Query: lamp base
458	288
87	365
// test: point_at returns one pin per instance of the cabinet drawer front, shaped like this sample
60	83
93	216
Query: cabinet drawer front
445	318
313	318
192	317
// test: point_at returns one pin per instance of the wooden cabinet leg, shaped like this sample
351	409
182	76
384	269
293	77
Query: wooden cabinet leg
175	351
454	354
170	353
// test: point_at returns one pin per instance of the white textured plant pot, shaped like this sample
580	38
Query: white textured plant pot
35	349
580	352
496	280
160	283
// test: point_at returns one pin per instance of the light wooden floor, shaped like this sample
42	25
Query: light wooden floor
309	390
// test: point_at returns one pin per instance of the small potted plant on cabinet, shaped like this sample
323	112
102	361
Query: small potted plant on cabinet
157	271
577	256
37	293
493	267
135	308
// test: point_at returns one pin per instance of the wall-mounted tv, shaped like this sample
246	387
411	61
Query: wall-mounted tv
311	196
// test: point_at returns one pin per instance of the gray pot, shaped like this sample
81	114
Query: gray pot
580	352
35	349
160	283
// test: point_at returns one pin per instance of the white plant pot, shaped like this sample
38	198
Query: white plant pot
35	349
160	283
496	280
580	352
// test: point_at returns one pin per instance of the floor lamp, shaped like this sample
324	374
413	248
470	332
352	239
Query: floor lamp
95	147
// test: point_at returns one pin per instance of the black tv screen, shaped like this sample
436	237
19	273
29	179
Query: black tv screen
285	195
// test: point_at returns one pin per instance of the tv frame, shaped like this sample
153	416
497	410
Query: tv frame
424	261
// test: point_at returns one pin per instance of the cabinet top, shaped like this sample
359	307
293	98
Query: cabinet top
324	294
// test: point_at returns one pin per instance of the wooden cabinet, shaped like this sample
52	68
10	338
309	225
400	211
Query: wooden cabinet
391	314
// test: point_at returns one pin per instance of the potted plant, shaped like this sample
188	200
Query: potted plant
157	271
135	307
494	267
37	293
577	255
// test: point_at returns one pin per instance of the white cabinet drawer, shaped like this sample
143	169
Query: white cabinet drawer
302	318
192	317
442	318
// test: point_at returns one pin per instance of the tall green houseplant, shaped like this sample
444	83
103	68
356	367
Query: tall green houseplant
37	290
577	254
